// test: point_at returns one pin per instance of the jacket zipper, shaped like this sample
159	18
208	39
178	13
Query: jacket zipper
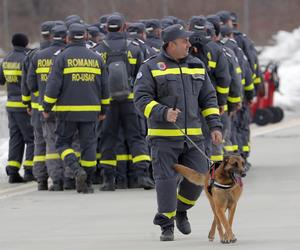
185	106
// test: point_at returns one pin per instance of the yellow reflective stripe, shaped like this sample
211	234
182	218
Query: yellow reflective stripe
34	105
88	163
44	70
173	132
12	104
26	98
255	66
238	70
222	90
246	149
235	147
185	200
243	81
49	99
149	108
170	215
66	152
14	164
210	111
40	108
257	80
253	76
216	157
188	71
106	101
109	162
12	72
234	99
141	158
212	64
96	71
37	158
98	156
229	148
124	157
28	163
77	154
176	71
249	87
130	96
225	107
78	108
132	60
52	156
36	93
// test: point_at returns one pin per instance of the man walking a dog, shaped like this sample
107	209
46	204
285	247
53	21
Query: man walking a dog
172	90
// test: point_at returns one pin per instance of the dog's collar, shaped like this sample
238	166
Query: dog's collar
219	185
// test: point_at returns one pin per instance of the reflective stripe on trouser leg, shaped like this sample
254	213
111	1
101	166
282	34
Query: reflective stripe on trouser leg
188	193
65	132
39	159
164	155
23	121
53	161
16	145
68	172
228	148
88	144
109	139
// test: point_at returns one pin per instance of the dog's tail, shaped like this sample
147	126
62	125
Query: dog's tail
190	174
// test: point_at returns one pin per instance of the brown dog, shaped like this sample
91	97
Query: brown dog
223	188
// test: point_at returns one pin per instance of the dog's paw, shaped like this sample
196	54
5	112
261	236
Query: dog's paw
211	236
227	240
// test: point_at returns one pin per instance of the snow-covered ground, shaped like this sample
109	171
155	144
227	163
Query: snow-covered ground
285	51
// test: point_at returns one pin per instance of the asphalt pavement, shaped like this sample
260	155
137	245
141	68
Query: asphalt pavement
267	216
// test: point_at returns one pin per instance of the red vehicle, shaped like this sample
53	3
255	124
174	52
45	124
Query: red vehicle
262	109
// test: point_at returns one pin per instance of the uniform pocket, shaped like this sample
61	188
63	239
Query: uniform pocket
197	82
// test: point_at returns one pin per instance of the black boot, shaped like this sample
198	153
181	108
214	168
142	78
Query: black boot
28	175
57	186
146	182
182	222
80	175
97	177
42	185
80	178
89	181
108	183
166	225
121	182
69	183
167	234
15	178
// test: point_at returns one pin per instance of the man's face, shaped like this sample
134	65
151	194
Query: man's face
180	47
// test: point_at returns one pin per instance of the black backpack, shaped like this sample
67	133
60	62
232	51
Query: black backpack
117	68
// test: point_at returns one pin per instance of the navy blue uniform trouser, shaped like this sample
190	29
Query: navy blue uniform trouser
87	134
164	155
20	134
123	114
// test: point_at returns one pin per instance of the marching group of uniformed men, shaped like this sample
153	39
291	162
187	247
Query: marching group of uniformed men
197	83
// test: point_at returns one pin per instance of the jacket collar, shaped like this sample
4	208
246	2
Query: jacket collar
167	56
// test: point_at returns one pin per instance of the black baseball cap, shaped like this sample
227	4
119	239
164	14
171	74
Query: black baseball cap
174	32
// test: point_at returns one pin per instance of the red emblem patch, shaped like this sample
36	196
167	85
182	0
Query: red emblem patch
162	66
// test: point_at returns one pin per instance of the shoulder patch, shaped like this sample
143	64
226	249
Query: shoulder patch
57	52
227	54
139	75
141	41
150	58
135	43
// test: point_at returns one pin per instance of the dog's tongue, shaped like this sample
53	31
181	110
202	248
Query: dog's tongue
239	181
